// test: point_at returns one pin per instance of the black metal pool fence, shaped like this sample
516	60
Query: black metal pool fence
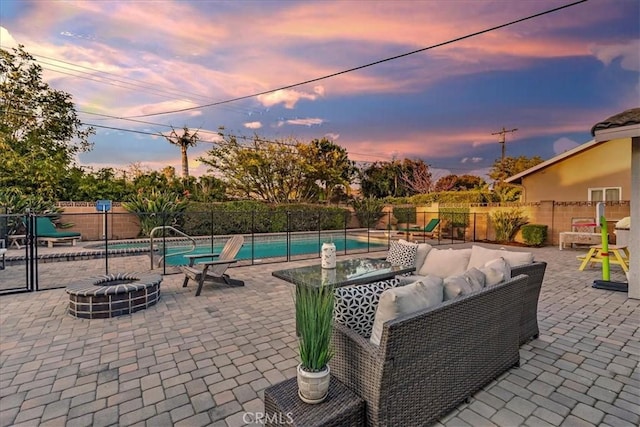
29	266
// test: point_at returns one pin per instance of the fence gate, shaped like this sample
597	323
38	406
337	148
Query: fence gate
18	263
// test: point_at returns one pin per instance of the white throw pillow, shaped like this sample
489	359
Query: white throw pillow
402	253
480	256
403	300
496	271
517	258
476	278
472	280
445	262
455	286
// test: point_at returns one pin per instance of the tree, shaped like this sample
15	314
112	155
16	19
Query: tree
40	133
377	180
417	177
446	183
183	141
331	164
273	171
459	183
105	183
208	189
509	166
395	178
470	182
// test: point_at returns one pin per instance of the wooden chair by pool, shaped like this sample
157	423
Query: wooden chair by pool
213	270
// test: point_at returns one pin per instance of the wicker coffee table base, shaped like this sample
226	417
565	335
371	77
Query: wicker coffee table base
342	407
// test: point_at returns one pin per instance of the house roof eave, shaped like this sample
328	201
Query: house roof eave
630	131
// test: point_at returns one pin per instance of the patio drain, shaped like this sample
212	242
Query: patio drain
113	295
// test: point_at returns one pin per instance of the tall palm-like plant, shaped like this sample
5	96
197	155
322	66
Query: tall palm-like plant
184	141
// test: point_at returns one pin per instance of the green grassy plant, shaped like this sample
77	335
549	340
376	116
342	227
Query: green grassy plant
155	209
314	320
507	223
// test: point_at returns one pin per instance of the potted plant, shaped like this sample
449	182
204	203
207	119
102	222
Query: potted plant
314	320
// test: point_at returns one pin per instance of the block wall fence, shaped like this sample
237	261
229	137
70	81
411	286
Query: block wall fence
86	220
556	215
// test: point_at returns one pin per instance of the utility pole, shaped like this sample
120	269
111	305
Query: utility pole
501	140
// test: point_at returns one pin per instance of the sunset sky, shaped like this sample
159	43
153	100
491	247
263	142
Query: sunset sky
552	77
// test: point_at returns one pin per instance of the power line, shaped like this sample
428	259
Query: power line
138	82
128	85
477	33
432	166
103	77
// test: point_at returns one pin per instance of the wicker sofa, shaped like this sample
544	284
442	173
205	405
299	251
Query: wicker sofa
529	319
430	361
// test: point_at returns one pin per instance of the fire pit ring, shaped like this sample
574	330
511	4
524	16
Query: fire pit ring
113	295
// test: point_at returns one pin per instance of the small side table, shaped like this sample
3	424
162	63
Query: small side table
341	408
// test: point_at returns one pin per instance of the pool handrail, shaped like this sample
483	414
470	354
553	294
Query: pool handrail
169	227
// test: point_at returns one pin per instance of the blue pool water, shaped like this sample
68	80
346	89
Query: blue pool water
270	249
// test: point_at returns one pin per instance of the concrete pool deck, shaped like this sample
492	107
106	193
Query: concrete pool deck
196	361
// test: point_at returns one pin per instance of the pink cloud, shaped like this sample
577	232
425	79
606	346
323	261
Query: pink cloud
288	97
253	125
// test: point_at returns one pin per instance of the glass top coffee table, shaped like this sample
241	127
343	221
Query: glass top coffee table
347	272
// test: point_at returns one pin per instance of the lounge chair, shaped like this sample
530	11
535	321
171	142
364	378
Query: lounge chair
428	230
46	232
214	270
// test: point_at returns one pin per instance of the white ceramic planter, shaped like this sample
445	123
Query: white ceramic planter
313	387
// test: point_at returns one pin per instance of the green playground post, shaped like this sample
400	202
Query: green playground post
605	249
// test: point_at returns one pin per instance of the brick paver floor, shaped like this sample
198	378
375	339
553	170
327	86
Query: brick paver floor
201	361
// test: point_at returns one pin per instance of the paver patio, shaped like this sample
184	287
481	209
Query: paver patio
191	361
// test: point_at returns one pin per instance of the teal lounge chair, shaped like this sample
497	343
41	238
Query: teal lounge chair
429	229
47	232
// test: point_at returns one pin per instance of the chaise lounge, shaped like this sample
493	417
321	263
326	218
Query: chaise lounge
47	232
429	230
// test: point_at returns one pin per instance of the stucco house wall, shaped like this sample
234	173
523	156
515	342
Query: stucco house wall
606	164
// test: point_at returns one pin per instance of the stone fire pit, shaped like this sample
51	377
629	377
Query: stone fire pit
113	295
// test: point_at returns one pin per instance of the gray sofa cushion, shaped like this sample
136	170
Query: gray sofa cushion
396	302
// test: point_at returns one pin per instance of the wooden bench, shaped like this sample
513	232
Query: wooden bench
579	237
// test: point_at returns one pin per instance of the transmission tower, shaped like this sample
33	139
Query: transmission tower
501	139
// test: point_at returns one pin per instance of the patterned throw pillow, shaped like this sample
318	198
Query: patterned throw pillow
355	306
402	253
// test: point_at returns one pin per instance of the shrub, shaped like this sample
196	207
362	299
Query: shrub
507	223
405	214
368	211
244	217
534	234
155	209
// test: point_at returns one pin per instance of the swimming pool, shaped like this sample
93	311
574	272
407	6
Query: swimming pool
260	249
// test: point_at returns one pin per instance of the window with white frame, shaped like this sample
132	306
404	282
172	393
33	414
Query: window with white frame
605	194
